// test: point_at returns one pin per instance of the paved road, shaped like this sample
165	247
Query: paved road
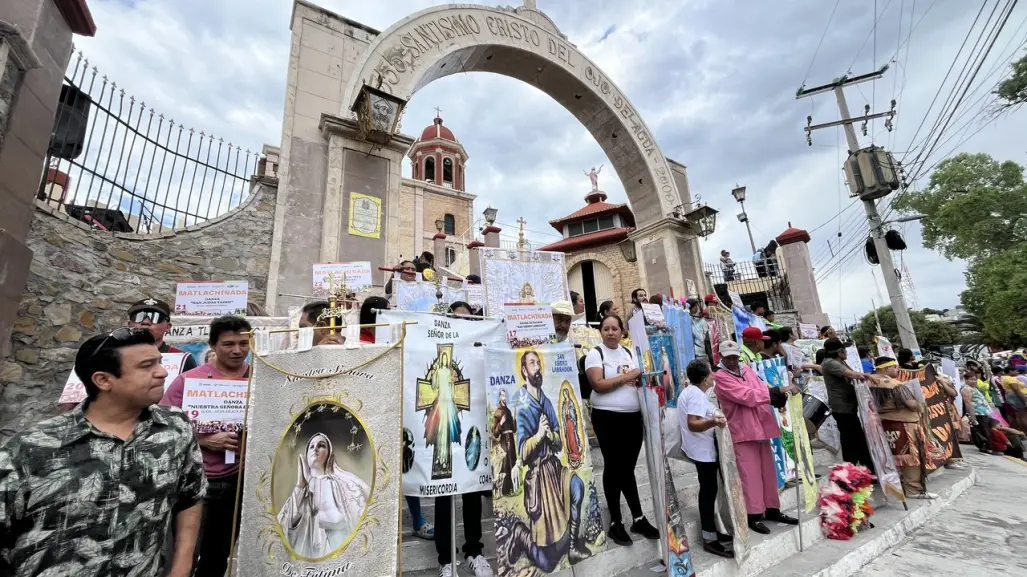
983	534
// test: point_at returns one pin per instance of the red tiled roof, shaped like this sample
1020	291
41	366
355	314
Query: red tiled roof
595	209
792	235
437	130
587	240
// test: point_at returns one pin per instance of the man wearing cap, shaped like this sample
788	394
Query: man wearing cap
752	344
154	315
563	314
746	401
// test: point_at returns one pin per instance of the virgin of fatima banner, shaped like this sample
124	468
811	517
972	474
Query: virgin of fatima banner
445	423
546	504
666	509
665	358
323	458
521	276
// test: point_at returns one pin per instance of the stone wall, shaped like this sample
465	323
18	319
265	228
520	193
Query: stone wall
10	78
82	282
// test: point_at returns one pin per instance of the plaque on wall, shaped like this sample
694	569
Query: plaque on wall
365	215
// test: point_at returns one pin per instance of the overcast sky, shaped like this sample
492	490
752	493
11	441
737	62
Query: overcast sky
715	81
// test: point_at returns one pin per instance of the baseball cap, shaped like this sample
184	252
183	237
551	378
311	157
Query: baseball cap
754	334
150	304
730	349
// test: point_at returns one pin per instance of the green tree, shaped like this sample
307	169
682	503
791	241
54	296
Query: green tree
928	333
975	206
996	291
1013	90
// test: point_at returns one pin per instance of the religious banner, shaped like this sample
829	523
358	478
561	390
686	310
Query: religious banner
884	348
939	418
548	515
365	215
585	339
323	459
665	358
666	508
730	496
211	298
803	451
877	442
445	423
421	295
521	276
774	372
529	325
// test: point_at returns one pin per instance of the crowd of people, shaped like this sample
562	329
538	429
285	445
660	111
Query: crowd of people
121	484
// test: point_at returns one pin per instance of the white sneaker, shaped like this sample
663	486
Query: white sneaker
925	496
957	465
446	570
480	566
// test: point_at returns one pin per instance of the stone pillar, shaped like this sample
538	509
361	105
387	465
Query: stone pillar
35	48
474	256
798	270
439	248
666	257
492	236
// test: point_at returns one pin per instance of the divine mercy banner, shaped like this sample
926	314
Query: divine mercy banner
445	423
546	505
521	276
323	458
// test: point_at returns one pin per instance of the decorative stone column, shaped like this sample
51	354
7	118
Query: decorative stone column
492	236
474	256
799	271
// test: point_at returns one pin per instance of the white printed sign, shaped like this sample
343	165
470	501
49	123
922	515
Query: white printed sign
653	313
357	275
212	299
736	299
475	295
75	392
884	348
215	405
808	331
528	325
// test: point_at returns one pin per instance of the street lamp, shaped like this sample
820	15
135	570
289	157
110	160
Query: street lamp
909	218
490	216
439	224
378	114
703	220
739	194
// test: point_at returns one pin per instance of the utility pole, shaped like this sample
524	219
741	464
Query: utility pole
872	175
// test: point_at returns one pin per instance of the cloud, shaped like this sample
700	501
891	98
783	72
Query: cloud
715	81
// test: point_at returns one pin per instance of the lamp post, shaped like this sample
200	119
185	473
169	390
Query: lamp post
378	114
739	194
490	216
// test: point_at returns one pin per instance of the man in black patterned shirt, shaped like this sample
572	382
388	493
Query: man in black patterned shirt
93	492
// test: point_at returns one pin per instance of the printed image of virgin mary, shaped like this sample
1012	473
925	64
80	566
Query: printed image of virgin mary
326	504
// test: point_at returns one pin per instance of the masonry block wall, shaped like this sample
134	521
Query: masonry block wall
82	281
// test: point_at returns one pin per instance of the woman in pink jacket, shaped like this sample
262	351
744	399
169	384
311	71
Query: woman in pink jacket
746	402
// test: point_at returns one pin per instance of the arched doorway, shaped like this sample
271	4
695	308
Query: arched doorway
326	159
593	280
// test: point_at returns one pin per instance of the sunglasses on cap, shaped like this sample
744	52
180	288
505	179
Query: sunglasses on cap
122	334
154	317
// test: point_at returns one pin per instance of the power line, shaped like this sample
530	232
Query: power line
871	33
821	43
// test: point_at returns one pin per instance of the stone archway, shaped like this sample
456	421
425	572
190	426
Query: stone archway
523	43
324	162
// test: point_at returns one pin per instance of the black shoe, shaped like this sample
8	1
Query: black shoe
718	549
759	527
645	529
618	534
727	539
779	517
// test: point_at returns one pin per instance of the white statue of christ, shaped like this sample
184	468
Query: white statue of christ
326	504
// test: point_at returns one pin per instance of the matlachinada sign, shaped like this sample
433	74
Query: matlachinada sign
211	299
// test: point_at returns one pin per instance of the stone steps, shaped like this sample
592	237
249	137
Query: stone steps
419	557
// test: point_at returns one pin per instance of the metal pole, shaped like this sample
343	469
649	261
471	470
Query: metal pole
747	229
877	319
891	280
799	503
452	534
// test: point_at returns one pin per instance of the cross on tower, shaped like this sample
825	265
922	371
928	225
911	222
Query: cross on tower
438	112
520	234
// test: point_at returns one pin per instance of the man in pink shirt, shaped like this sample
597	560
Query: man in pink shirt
746	402
230	339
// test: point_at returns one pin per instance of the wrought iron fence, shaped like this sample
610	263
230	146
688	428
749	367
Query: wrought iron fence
762	282
122	167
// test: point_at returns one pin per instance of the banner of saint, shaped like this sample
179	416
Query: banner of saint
442	394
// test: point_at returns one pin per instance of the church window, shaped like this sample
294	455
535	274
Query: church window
450	256
450	224
574	229
605	222
429	170
447	170
591	226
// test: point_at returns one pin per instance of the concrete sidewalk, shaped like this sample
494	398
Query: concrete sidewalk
983	534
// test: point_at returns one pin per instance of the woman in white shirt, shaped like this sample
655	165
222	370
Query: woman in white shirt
698	441
617	421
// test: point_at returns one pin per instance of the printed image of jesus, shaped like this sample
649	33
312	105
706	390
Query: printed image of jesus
325	506
549	486
442	394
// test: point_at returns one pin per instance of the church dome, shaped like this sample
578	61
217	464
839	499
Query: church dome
437	130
